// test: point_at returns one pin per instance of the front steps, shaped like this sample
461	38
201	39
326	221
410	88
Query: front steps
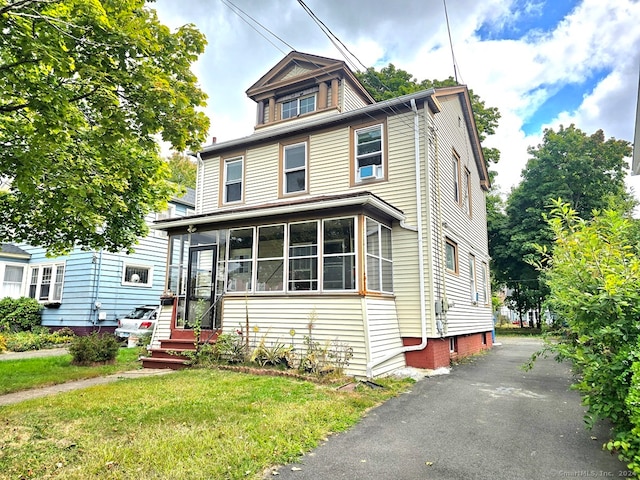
169	355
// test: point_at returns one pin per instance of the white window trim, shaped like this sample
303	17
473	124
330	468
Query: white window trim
473	282
379	170
25	272
456	265
297	169
126	265
54	280
227	161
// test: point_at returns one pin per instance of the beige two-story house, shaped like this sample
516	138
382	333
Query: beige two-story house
365	219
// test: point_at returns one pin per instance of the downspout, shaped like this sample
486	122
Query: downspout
96	305
418	228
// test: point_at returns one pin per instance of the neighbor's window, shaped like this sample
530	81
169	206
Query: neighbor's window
137	275
339	254
368	153
270	258
379	268
298	106
45	282
451	255
12	282
239	267
233	179
295	167
303	256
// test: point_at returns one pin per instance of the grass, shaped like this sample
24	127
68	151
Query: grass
16	375
518	332
192	424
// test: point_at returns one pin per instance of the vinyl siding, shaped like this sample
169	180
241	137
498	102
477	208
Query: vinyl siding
469	232
337	317
351	99
384	334
163	326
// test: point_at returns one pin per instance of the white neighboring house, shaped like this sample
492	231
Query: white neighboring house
367	218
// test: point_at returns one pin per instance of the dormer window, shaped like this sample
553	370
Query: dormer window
298	106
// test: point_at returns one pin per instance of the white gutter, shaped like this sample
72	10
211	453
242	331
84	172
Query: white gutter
253	213
423	314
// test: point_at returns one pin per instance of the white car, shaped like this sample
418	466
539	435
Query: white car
140	321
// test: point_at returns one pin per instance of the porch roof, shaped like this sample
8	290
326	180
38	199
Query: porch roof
310	204
8	250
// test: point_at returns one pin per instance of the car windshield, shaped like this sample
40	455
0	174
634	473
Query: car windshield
141	313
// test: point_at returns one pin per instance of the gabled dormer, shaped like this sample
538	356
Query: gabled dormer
303	85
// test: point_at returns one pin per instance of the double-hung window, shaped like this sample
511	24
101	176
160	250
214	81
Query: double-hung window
473	287
233	172
457	194
295	167
339	254
303	256
45	282
298	106
379	268
369	158
12	281
451	255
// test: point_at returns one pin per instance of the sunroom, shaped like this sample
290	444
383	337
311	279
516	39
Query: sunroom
282	267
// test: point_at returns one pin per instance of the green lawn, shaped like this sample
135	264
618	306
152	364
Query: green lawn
192	424
16	375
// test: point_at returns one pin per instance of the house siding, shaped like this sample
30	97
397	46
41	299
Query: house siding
469	232
350	99
383	334
336	317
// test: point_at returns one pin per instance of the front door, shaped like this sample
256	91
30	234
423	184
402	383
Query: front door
201	287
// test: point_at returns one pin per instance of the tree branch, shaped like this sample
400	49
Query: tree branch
9	66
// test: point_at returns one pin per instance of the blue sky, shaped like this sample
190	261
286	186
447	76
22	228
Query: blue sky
542	63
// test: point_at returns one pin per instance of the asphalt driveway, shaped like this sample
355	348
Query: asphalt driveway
487	419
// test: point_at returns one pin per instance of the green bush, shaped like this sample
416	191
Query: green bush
594	279
19	314
94	348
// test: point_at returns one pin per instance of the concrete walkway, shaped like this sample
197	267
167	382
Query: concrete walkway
487	419
23	395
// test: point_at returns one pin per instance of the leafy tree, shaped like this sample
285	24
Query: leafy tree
391	82
594	280
585	170
183	170
85	86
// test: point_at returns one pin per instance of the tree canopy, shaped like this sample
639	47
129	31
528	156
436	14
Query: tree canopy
86	88
586	171
183	170
391	82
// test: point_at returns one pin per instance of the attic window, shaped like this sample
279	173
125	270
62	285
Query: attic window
298	106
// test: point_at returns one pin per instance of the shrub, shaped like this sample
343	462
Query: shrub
275	355
94	348
230	347
594	279
19	314
3	343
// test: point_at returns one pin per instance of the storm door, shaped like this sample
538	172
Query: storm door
201	287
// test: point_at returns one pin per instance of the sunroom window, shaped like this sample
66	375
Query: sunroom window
379	267
303	256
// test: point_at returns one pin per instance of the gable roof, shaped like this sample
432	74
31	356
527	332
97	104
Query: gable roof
462	93
298	68
11	251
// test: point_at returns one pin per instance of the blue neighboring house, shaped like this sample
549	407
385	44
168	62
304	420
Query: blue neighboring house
90	290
